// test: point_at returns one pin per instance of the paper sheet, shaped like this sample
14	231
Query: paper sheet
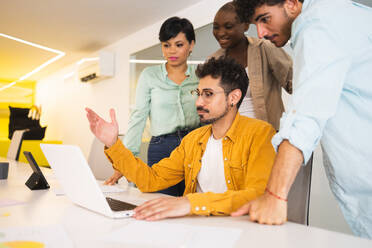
9	202
158	234
46	236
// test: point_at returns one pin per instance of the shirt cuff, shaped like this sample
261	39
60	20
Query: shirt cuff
199	204
301	131
117	151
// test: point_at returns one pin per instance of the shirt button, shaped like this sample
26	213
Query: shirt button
225	138
204	208
225	159
228	181
197	208
189	165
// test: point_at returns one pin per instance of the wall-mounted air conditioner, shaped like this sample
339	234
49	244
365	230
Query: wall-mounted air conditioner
95	69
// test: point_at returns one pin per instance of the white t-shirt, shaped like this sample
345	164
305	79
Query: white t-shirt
246	108
211	177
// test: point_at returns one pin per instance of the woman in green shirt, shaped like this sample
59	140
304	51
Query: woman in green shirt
163	95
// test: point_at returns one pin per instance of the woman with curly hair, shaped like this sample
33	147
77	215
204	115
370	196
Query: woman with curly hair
269	68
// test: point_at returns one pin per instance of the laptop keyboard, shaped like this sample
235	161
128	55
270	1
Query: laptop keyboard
117	205
111	189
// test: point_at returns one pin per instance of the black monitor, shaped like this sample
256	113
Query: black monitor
37	179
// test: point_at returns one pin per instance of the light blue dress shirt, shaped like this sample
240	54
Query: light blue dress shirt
168	105
332	101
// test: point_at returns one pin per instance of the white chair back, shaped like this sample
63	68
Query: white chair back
98	162
100	165
15	144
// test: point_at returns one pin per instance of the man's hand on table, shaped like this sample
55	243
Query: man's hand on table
161	208
265	210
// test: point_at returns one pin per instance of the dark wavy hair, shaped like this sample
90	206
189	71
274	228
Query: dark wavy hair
231	73
246	8
173	26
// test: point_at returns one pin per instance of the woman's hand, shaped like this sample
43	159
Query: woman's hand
114	178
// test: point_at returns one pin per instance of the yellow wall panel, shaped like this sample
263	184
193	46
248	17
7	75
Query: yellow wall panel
32	146
20	95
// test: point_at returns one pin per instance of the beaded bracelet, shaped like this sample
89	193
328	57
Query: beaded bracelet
276	196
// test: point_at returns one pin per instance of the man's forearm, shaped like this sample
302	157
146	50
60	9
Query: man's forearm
286	166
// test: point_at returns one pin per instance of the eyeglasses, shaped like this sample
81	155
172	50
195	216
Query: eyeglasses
206	95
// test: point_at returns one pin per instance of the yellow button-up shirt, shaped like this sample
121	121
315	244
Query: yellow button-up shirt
248	158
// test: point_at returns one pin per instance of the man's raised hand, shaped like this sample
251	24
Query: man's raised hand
106	132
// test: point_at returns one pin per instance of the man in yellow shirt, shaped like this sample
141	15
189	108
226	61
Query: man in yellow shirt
224	164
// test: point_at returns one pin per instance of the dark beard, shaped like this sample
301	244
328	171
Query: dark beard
211	121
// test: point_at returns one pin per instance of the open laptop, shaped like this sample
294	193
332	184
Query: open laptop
76	178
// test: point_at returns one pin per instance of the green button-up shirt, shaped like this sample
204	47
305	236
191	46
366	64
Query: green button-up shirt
168	105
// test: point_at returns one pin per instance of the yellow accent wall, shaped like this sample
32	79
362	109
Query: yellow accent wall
32	146
21	95
4	122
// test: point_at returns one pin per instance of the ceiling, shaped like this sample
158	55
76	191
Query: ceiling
76	27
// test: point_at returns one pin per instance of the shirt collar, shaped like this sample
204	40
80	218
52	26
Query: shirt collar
165	72
232	133
188	71
305	5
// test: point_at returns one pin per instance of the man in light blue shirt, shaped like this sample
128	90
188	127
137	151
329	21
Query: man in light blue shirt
332	102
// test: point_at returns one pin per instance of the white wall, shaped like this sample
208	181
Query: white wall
63	100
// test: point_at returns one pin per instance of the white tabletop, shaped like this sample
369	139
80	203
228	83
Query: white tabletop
43	208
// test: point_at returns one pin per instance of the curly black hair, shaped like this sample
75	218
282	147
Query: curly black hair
173	26
230	7
246	8
231	73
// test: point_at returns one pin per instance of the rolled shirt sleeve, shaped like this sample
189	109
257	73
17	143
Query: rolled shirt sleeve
320	68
